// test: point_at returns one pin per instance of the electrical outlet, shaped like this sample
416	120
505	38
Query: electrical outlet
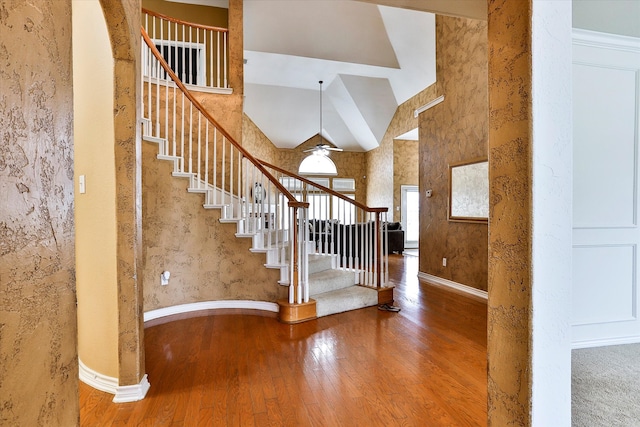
444	262
164	278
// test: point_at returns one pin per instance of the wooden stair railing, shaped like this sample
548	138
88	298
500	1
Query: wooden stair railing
350	232
218	166
196	53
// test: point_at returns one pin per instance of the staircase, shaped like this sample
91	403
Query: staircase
258	197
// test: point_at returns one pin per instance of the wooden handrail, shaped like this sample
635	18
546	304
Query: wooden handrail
323	188
180	21
293	202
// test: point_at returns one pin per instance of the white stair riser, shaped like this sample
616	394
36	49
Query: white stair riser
318	263
347	299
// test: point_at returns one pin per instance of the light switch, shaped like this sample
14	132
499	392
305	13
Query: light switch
81	184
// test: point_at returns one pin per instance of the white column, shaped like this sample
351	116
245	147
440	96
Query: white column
552	213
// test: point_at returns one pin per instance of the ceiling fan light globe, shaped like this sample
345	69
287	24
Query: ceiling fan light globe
317	164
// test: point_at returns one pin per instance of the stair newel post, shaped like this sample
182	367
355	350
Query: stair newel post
378	250
295	282
303	236
299	307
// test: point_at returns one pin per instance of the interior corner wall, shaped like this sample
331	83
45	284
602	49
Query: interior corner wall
38	335
453	131
380	172
256	142
95	210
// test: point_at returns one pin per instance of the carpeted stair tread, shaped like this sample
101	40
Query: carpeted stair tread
318	263
330	280
339	301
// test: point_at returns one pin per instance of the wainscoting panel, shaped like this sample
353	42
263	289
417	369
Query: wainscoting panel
606	285
606	96
604	155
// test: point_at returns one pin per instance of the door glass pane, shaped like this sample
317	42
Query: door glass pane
413	225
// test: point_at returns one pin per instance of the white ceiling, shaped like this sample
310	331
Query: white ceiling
371	54
370	57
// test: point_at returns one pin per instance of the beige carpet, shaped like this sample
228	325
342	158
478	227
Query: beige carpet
606	386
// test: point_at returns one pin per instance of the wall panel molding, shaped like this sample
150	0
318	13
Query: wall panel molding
607	291
606	105
605	150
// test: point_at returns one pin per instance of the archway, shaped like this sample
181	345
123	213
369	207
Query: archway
118	187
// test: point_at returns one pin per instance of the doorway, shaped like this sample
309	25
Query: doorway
410	215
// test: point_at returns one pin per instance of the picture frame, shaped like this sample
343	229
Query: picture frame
469	191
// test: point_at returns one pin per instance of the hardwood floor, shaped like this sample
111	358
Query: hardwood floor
423	366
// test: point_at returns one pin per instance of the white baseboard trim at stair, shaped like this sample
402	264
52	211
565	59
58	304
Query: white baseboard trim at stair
451	284
122	394
605	342
210	305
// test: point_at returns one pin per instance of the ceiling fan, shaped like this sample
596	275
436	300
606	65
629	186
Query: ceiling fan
322	148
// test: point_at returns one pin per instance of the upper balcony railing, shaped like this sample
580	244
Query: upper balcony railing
196	53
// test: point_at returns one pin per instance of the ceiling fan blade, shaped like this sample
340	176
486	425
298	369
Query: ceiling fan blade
322	147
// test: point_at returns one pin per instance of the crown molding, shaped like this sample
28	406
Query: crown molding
605	40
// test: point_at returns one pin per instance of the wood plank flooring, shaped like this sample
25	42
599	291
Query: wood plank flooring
424	366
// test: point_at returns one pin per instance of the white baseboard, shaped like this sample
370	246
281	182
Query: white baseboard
96	379
605	342
122	394
210	305
132	393
451	284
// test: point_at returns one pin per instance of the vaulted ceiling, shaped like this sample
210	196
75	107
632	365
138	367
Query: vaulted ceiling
371	58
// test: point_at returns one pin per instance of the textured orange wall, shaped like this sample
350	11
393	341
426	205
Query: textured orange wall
453	131
405	169
256	142
38	336
510	299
